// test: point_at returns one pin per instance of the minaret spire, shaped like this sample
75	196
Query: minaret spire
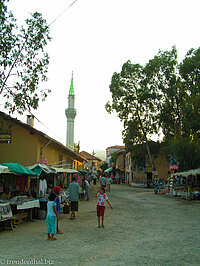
70	113
71	91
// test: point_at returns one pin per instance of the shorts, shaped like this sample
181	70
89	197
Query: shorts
100	210
74	206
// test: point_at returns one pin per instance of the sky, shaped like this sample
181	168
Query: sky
94	38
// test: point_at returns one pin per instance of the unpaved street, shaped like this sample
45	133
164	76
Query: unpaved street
142	229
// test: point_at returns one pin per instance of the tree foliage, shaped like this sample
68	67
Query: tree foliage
23	61
164	95
104	166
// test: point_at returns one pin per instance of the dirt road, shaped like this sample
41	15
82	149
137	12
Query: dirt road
142	229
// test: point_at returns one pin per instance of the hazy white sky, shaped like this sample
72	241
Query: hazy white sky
93	38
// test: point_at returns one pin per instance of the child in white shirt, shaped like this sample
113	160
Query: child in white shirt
102	198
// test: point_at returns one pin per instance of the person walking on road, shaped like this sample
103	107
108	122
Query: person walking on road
51	220
87	190
103	181
108	183
94	180
117	177
74	191
102	198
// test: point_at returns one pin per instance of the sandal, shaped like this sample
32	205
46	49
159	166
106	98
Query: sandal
53	238
59	232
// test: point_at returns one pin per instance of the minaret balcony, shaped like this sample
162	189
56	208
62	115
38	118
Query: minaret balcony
70	113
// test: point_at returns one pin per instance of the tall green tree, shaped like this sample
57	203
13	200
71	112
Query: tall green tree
23	61
178	88
162	74
133	100
164	94
190	73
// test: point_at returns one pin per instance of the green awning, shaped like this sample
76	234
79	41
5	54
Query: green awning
108	170
65	170
38	168
19	169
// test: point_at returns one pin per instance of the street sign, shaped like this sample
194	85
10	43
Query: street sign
5	137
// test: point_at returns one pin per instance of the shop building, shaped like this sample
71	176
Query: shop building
22	143
112	149
92	163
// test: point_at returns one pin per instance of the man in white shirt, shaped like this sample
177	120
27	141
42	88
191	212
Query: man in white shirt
103	181
108	183
87	190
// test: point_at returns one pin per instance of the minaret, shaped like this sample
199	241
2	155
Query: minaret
70	113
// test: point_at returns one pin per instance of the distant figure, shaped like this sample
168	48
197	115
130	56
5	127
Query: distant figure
102	198
120	178
94	180
74	191
103	181
52	217
108	183
87	190
117	178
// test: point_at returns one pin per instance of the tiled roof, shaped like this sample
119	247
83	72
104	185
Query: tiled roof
88	156
116	147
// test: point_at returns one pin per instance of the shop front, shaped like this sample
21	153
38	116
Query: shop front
186	184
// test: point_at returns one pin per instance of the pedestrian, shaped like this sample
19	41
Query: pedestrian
117	177
102	198
108	183
74	191
103	181
94	180
52	217
87	189
57	191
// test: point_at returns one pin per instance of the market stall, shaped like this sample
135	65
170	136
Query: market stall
64	176
186	184
6	216
16	191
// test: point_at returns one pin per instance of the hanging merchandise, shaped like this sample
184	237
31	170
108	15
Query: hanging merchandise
42	187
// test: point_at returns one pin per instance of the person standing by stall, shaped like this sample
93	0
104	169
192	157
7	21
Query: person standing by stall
52	217
57	191
74	191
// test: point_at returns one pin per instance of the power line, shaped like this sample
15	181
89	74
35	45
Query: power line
63	12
